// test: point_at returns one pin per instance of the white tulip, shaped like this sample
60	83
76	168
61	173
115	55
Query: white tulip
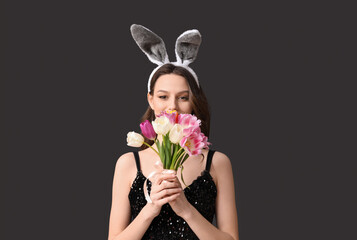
176	133
134	139
162	125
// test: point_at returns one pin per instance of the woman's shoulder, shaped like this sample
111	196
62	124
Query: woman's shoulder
126	163
126	158
220	161
220	156
223	171
125	168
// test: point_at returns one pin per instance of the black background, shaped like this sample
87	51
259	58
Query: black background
278	77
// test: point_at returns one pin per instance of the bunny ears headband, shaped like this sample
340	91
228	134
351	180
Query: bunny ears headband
153	46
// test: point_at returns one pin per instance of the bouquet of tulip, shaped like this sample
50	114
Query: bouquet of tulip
180	136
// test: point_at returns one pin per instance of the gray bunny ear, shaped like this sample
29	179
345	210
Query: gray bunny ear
187	45
150	43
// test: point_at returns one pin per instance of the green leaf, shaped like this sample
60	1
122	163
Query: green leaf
167	150
175	152
161	152
167	154
173	160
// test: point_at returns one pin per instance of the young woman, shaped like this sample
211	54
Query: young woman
176	211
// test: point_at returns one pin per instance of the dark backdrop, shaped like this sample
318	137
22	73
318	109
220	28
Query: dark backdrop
278	79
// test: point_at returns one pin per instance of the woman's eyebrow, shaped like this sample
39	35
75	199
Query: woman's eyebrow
164	91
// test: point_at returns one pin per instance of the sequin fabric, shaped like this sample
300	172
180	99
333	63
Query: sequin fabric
201	194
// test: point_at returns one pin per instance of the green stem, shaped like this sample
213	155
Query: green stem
173	160
181	156
178	153
151	148
178	161
185	158
167	152
182	177
161	152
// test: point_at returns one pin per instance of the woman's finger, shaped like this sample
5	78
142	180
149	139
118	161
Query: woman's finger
164	185
168	199
168	184
167	191
164	193
159	178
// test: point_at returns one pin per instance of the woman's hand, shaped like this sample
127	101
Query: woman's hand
179	204
163	190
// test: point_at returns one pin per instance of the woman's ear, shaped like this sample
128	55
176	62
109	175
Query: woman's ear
150	100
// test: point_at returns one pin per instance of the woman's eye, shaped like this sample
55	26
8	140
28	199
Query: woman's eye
184	98
163	97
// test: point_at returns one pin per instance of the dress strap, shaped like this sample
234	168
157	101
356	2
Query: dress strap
209	159
137	160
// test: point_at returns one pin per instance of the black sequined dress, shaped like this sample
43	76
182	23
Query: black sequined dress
168	225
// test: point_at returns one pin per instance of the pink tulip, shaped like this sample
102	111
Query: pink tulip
189	122
205	141
171	115
148	130
194	142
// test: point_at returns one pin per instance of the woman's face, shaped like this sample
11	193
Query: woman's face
171	92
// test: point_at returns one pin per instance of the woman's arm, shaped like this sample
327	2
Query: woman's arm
226	211
119	227
137	228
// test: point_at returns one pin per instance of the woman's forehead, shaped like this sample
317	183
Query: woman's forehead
171	83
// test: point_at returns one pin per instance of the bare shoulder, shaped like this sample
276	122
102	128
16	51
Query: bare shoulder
221	166
125	161
221	161
126	167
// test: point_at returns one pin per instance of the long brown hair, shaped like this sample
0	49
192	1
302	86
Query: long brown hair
198	100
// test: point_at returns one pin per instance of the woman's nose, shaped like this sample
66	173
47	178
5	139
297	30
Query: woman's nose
172	105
